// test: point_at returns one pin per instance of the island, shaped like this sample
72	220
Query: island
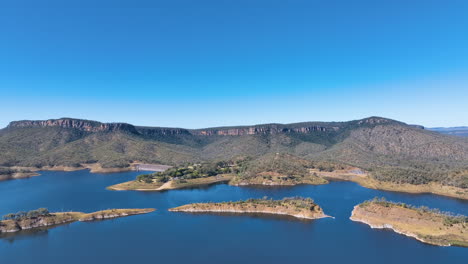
430	226
41	217
298	207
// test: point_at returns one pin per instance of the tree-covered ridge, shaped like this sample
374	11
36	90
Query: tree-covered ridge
389	150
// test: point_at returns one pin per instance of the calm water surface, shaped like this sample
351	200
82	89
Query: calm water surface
165	237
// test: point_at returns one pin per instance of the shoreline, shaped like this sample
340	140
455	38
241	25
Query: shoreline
390	227
170	185
302	208
362	180
233	211
60	218
431	188
92	167
424	226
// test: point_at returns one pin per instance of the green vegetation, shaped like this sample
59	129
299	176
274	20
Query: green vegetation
10	171
43	218
296	202
293	206
189	172
27	215
390	151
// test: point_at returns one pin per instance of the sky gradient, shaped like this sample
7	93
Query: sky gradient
203	63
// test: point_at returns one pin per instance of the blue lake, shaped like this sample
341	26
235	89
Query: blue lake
165	237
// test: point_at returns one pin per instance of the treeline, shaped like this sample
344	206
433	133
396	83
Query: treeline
10	171
297	202
423	174
191	171
22	215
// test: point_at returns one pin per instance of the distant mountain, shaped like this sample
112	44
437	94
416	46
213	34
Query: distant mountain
388	149
455	131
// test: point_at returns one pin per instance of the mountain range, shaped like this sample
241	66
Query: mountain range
388	149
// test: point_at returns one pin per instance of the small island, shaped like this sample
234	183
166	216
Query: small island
43	218
426	225
298	207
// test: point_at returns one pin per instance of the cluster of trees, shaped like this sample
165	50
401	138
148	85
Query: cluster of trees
6	171
423	173
298	202
191	171
27	215
9	171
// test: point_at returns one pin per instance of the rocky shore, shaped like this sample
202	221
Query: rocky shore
425	225
18	223
295	207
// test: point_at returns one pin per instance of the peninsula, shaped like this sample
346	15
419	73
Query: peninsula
298	207
273	170
426	225
43	218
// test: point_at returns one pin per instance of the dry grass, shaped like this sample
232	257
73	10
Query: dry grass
296	207
426	226
368	182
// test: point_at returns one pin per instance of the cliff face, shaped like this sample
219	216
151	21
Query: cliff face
256	130
94	126
83	125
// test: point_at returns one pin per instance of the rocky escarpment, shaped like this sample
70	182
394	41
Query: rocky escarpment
83	125
53	219
94	126
262	130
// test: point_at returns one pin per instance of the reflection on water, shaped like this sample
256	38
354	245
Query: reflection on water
276	217
36	232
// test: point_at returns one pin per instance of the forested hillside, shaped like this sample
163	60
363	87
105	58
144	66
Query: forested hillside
388	149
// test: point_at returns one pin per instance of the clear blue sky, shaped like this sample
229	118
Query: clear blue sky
211	63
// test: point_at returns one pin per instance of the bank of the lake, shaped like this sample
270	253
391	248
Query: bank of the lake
365	180
424	224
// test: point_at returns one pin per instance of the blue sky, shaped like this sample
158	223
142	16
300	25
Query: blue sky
212	63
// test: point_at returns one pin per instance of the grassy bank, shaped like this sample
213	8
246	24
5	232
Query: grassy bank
426	225
366	181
